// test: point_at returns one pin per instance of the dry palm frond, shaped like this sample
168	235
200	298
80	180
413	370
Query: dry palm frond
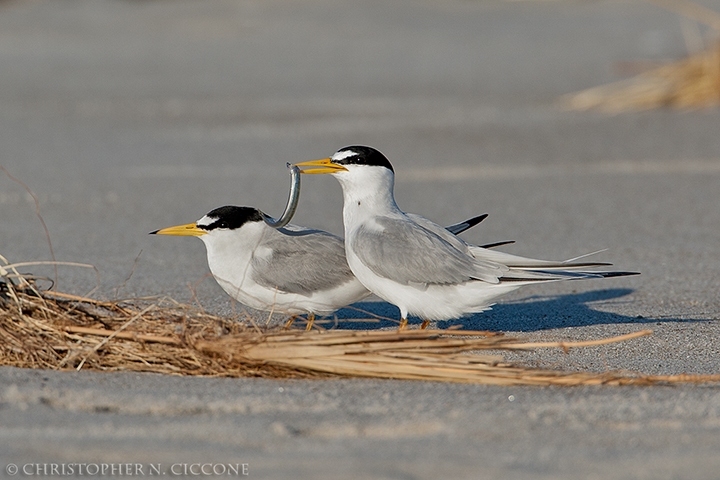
47	329
690	83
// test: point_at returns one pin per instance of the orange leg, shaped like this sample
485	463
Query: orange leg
290	321
310	322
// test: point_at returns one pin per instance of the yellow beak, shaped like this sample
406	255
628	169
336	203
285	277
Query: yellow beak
324	165
187	230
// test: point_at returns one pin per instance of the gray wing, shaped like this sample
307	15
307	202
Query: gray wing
460	227
407	252
302	261
441	232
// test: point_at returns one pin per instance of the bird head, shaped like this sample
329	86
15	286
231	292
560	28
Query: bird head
347	159
221	219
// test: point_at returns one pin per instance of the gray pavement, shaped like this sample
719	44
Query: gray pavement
127	116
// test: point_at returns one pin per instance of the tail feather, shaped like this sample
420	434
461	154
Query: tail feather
497	244
523	263
617	274
532	276
571	260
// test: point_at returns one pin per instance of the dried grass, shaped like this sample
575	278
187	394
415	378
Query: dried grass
690	83
59	331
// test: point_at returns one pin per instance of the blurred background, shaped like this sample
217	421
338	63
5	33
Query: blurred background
127	116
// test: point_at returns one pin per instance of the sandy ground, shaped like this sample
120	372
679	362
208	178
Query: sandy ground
127	116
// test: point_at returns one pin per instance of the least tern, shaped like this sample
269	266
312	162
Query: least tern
292	270
414	263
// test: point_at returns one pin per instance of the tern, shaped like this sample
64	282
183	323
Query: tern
414	263
292	269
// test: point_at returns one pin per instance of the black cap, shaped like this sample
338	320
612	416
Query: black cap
361	155
231	217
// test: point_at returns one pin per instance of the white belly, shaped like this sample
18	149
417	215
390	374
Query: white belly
323	302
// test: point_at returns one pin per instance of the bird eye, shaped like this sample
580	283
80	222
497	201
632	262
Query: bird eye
223	225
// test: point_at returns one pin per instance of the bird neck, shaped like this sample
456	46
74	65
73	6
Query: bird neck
228	251
368	192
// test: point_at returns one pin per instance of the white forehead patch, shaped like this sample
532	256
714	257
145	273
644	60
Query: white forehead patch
205	221
343	154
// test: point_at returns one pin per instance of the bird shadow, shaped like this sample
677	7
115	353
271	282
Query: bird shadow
528	314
